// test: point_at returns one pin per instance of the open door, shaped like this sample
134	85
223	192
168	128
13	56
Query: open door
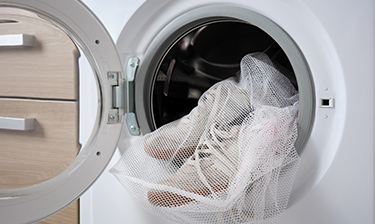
61	106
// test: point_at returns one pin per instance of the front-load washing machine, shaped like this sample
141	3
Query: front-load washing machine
167	54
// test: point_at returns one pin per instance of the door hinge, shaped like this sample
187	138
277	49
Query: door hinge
131	120
123	101
115	113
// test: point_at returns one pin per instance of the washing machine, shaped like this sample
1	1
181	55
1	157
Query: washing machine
166	55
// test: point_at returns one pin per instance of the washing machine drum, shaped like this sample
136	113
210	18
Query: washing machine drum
230	160
203	56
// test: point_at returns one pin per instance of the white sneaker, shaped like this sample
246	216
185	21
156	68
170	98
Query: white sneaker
179	139
207	172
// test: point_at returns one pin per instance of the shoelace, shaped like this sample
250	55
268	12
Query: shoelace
210	135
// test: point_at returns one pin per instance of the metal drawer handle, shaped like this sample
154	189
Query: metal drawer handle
14	40
19	124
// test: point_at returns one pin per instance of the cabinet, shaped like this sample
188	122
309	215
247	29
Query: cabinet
40	81
69	215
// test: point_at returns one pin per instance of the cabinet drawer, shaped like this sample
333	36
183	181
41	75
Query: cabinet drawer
48	69
31	157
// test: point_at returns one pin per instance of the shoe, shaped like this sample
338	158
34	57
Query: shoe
174	141
207	172
179	139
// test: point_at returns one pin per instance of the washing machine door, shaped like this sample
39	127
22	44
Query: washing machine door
61	105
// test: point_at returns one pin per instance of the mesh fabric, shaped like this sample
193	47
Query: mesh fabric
231	160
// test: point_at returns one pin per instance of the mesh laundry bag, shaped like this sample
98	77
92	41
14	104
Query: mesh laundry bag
231	160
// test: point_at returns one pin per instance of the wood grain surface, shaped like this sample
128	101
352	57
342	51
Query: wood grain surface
31	157
49	69
69	215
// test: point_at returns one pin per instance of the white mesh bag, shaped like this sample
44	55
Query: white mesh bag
231	160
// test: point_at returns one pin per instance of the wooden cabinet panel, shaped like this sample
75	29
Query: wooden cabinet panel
39	81
48	70
31	157
69	215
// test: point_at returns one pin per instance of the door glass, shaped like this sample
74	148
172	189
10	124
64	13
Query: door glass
48	98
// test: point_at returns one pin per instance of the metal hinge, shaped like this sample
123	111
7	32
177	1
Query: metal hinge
131	120
114	115
123	97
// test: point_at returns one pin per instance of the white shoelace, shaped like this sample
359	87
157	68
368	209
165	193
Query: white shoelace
222	162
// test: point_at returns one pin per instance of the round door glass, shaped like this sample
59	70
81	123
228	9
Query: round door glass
48	99
59	126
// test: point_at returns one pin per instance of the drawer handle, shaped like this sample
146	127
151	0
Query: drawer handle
15	40
19	124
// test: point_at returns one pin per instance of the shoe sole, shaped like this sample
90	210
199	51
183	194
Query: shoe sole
168	154
169	199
